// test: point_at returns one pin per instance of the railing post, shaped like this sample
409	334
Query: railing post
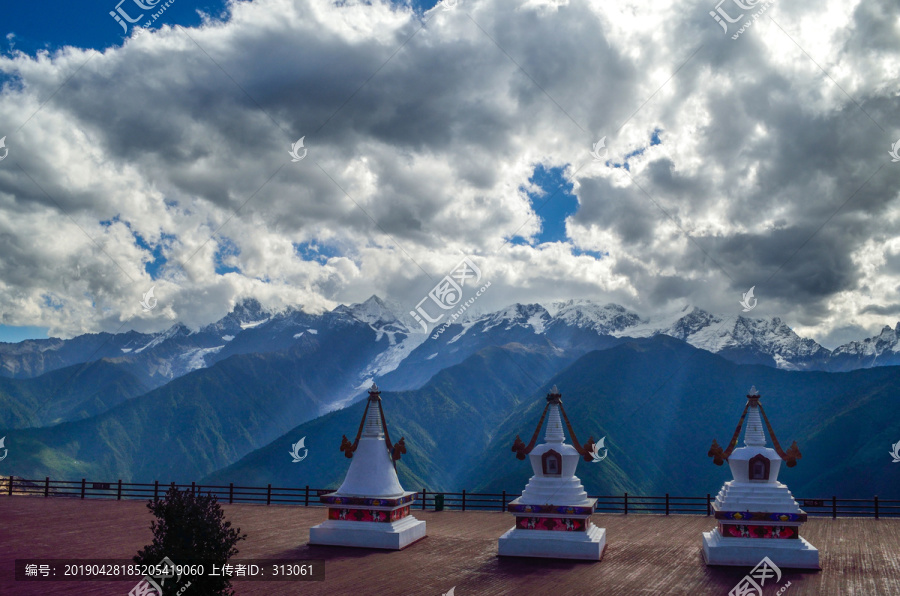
119	492
626	503
833	507
306	503
11	478
424	498
503	508
464	500
876	506
230	493
193	488
708	505
82	487
269	495
667	503
156	490
47	486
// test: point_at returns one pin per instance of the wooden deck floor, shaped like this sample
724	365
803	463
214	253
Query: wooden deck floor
645	554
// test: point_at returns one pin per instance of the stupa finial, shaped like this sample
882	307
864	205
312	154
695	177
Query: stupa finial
554	397
374	389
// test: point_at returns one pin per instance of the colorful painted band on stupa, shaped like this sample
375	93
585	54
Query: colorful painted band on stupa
758	531
332	499
761	516
367	515
554	524
514	507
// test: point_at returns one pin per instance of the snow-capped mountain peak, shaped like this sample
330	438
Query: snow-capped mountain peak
248	311
246	314
372	311
884	343
170	333
744	339
606	319
524	315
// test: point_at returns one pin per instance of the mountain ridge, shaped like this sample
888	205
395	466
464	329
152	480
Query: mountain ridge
158	358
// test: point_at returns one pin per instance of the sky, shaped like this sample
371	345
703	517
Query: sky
651	155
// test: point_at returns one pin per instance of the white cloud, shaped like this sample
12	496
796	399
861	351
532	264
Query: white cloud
174	135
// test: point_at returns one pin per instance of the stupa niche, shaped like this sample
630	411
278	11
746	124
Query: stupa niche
370	509
553	515
757	516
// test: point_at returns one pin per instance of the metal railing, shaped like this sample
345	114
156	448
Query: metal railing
461	501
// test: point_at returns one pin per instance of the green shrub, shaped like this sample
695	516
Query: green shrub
190	528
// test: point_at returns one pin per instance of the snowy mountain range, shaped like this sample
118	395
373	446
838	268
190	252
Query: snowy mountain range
407	357
225	398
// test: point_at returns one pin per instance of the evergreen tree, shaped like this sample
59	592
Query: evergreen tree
190	528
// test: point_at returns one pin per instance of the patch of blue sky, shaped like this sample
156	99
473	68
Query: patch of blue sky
590	253
17	333
51	302
553	203
419	6
315	251
226	257
159	260
654	140
33	27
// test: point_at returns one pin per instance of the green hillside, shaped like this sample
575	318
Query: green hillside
447	425
660	403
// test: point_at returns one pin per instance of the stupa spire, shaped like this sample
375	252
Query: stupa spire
374	426
554	432
753	433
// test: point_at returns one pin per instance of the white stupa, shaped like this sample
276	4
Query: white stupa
370	509
757	515
553	515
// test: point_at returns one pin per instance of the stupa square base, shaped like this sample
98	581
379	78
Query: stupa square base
587	545
748	552
391	536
